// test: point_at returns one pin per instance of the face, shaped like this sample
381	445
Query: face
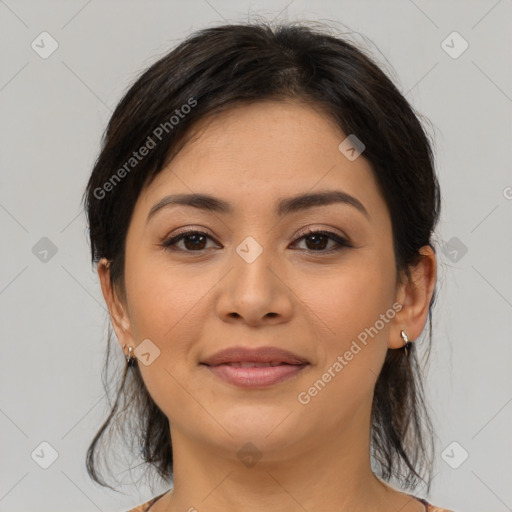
258	276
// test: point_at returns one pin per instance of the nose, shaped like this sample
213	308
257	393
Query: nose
255	292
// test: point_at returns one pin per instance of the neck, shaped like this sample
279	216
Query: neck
331	473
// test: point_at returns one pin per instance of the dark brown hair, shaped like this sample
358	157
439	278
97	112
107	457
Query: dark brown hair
216	69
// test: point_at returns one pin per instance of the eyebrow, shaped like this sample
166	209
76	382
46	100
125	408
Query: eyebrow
284	207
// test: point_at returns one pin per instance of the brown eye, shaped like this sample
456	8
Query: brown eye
317	241
194	241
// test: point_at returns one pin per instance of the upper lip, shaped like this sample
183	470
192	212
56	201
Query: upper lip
256	355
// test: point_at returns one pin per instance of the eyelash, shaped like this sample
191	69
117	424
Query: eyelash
342	243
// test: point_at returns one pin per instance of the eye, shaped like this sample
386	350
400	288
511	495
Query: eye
320	239
195	241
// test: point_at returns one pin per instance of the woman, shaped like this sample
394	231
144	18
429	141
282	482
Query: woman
261	216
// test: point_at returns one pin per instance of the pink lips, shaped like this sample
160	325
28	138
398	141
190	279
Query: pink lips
255	367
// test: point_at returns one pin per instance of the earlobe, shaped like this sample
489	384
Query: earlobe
415	295
116	308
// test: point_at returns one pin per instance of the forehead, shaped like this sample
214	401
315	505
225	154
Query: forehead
265	151
265	131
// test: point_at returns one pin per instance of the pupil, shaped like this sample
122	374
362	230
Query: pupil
194	243
315	237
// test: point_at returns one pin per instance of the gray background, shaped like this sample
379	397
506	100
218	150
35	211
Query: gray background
54	320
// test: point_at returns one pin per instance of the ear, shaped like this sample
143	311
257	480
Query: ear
415	295
116	306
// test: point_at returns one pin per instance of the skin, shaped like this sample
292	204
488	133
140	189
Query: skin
192	304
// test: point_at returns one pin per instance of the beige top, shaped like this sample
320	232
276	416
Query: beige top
145	507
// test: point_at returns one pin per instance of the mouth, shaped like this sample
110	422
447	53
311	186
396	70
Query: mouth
253	364
255	375
255	367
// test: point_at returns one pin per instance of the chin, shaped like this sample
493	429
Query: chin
267	431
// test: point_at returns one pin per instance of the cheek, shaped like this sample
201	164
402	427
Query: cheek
162	297
348	300
352	314
167	307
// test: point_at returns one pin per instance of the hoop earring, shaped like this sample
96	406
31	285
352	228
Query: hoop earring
130	361
407	344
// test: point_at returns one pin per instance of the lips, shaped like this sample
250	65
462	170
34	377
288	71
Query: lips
263	356
251	364
255	368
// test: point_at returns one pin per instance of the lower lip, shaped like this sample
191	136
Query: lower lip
256	377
